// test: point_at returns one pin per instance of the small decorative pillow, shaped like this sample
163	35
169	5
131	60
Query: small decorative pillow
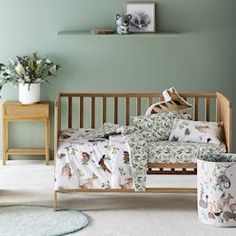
107	129
156	127
196	131
173	101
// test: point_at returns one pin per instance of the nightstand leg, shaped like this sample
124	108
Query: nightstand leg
5	141
47	140
55	204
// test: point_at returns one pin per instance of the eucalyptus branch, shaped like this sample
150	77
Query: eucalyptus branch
27	70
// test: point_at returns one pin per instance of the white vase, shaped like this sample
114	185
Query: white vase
29	94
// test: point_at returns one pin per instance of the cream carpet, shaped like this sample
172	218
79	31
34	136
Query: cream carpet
31	182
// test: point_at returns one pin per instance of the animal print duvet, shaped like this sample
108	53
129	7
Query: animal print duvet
86	161
103	159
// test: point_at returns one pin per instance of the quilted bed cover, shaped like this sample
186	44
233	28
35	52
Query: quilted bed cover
85	161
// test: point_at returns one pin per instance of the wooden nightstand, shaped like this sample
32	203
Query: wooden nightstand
15	111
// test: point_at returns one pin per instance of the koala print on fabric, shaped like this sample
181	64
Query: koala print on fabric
196	131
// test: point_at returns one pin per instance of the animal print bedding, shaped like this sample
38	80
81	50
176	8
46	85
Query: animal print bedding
87	161
181	152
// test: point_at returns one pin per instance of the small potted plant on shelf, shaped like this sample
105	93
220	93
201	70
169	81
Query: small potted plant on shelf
29	72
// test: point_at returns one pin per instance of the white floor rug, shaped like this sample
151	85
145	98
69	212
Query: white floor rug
31	182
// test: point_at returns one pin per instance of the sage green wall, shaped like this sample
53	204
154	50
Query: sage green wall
201	58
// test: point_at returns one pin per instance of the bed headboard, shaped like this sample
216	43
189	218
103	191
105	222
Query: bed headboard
85	109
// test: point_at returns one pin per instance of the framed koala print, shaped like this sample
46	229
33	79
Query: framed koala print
143	17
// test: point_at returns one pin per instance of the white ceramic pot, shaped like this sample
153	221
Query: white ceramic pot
216	180
29	94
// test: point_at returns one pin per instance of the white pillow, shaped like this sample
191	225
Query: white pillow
196	131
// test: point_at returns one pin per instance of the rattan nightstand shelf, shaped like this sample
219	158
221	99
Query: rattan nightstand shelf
15	111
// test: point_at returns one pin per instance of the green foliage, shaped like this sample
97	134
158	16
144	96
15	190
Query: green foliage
27	70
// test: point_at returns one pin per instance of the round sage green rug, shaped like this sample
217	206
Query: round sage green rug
18	220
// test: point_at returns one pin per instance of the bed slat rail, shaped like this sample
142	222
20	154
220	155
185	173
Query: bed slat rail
81	112
139	109
93	113
104	109
127	111
207	109
167	169
134	105
195	108
69	112
115	111
138	106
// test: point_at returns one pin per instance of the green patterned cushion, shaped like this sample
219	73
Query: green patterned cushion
156	127
181	152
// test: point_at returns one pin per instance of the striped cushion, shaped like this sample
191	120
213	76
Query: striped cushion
173	101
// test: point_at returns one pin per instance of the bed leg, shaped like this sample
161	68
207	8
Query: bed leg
55	203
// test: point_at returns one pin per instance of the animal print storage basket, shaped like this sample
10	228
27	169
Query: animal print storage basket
216	181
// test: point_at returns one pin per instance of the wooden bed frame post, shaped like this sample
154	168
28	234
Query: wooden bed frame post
55	202
57	123
224	113
57	128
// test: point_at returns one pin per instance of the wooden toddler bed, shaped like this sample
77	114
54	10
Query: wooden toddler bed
90	110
